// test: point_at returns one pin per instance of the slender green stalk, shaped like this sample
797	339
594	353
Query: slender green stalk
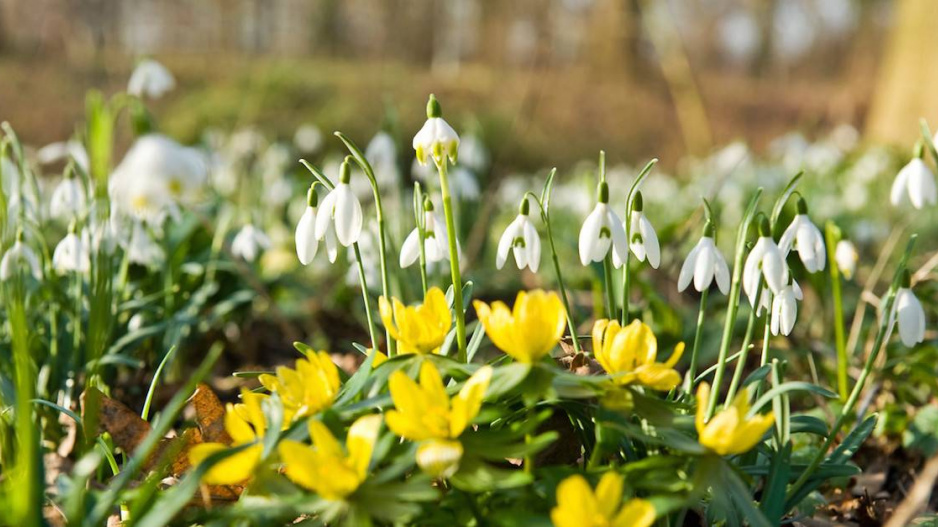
610	290
453	261
626	280
419	212
627	224
743	352
364	284
831	235
701	316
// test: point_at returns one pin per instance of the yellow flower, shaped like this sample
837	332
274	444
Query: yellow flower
528	331
730	431
325	468
380	357
418	329
630	354
246	425
308	389
579	506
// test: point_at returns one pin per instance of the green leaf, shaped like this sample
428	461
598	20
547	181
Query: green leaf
844	452
789	387
546	191
783	199
145	414
357	381
773	499
476	476
809	424
504	378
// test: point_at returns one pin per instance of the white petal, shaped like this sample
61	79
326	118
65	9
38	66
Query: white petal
898	190
921	185
348	216
774	268
505	242
410	249
650	239
332	245
305	237
532	243
788	237
324	218
776	315
521	256
620	240
589	235
687	270
751	274
703	271
637	237
722	272
911	318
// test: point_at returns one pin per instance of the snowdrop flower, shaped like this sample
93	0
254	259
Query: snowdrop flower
601	231
846	257
150	79
249	242
20	256
522	240
765	260
908	312
307	138
705	263
142	248
806	238
435	241
306	242
915	181
341	211
436	139
473	154
62	151
785	309
644	239
71	254
68	198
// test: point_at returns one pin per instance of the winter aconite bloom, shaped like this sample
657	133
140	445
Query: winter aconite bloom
436	140
307	244
601	231
803	236
421	328
424	412
327	468
732	430
908	314
522	240
19	257
308	389
630	355
340	211
435	239
150	79
528	331
846	257
785	309
765	260
246	425
705	263
579	506
643	239
249	242
915	183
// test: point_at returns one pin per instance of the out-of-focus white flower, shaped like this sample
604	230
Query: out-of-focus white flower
705	263
601	231
19	256
463	184
917	183
846	256
765	260
908	312
803	236
142	249
68	199
340	211
473	154
71	255
436	139
644	239
306	241
370	260
308	138
435	242
249	242
381	153
136	322
62	151
785	309
150	79
155	175
12	179
522	240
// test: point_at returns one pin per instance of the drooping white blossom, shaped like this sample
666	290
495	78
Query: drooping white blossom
436	140
915	184
907	314
435	242
846	256
705	263
521	239
785	309
340	211
249	242
19	257
643	240
766	261
71	255
601	231
804	237
150	79
68	199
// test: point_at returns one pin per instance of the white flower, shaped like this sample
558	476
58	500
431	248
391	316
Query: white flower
908	311
601	230
249	242
306	242
473	154
381	152
340	211
142	248
71	255
806	238
435	242
765	260
703	264
644	239
437	138
150	79
846	257
18	257
916	181
307	138
68	199
785	309
62	151
522	240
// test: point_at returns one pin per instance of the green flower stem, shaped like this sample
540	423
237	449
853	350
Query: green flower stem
692	369
610	290
626	279
364	284
421	235
831	237
453	262
743	353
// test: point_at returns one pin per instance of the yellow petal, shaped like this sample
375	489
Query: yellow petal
323	440
676	356
609	493
720	433
635	513
431	384
387	317
299	463
658	376
236	426
750	433
703	399
361	442
407	396
406	427
380	358
233	469
468	401
575	503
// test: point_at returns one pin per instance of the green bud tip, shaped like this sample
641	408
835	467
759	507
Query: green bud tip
72	227
919	149
638	203
525	207
433	108
603	192
802	205
312	197
709	229
427	204
19	235
345	172
764	228
905	280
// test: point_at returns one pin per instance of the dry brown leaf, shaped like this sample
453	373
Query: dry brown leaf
210	415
